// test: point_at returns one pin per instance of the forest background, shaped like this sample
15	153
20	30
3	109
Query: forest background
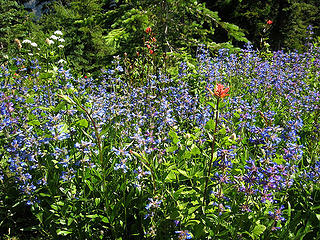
97	30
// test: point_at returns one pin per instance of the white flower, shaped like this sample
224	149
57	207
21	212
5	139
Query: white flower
49	41
60	46
61	40
58	32
30	54
61	61
26	41
34	44
54	37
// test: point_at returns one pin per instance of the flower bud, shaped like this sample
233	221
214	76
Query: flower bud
17	41
148	30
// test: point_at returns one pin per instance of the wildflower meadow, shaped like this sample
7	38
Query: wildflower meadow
223	147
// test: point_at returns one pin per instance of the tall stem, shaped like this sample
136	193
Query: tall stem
96	133
212	152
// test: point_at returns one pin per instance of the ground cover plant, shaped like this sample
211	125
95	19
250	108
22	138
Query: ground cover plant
225	148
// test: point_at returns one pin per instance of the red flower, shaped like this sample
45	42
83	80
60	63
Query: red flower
219	91
148	30
151	51
269	22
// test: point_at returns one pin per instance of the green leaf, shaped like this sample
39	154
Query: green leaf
64	128
136	154
171	149
192	210
210	125
104	219
46	108
30	100
195	150
174	136
258	230
82	123
89	185
237	115
223	131
60	106
279	159
64	232
93	216
213	105
170	177
45	75
184	173
187	154
45	195
66	98
34	123
70	220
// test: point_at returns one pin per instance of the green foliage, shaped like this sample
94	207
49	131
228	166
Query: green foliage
290	20
299	15
95	35
14	23
99	180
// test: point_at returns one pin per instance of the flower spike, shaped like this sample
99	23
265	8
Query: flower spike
219	91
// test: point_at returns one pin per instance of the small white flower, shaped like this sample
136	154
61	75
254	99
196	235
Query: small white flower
30	54
26	41
54	37
60	46
58	32
49	41
61	40
61	61
34	44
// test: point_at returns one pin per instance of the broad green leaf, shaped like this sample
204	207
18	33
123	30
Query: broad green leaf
172	149
34	123
184	173
279	159
186	154
210	125
104	219
170	177
82	123
174	136
192	210
258	230
195	150
30	100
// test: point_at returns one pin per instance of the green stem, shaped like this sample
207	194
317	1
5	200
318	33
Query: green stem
148	165
96	133
212	153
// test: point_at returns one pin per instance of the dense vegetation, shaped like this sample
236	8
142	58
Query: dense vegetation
96	30
131	120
